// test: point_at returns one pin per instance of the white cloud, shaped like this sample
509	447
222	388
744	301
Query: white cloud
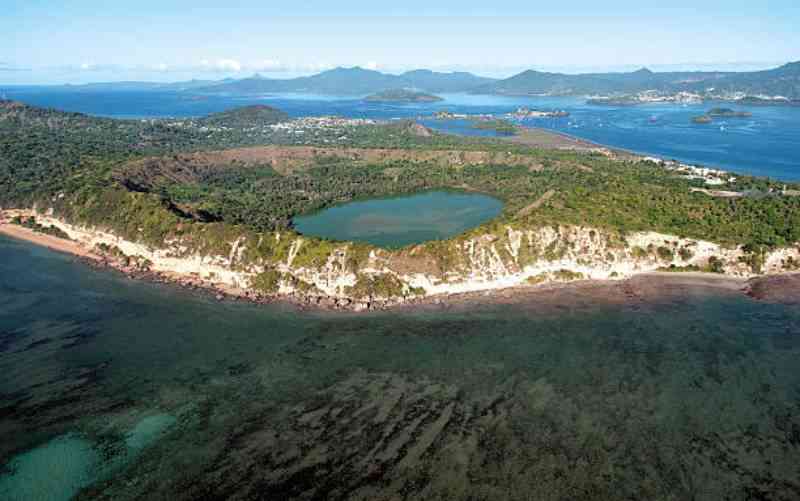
161	67
315	67
87	66
229	65
267	65
371	65
226	65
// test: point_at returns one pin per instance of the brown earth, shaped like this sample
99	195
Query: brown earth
190	167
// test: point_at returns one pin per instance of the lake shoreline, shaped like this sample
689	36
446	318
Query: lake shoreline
783	287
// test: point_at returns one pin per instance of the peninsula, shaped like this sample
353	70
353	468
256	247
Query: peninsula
210	201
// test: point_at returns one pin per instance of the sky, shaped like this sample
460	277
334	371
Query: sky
82	41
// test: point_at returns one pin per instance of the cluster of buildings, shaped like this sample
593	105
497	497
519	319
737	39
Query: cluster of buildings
525	112
311	123
713	177
446	115
520	114
327	129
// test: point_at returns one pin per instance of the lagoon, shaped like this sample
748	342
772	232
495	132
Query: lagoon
652	389
400	221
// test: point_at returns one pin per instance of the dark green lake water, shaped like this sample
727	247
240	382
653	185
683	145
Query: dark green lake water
117	389
400	221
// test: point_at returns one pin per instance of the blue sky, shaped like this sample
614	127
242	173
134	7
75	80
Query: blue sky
90	40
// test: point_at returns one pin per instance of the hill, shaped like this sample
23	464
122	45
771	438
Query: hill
46	150
778	82
783	81
436	82
247	116
532	82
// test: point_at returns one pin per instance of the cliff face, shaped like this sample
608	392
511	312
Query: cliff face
503	257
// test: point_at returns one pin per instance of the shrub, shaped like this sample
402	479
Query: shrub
369	286
537	279
665	253
268	281
715	265
685	254
567	275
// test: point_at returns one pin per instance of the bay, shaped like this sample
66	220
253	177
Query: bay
765	144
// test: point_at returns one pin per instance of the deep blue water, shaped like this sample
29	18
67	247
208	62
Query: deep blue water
765	145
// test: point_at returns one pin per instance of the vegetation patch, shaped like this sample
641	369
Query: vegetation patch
500	126
30	223
384	285
268	281
537	279
665	253
568	275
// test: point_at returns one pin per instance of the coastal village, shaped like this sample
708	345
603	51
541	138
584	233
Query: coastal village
521	113
305	130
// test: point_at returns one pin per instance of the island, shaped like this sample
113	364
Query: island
503	127
720	113
402	96
728	113
210	202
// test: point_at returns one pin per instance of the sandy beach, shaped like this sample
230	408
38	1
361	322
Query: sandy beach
49	241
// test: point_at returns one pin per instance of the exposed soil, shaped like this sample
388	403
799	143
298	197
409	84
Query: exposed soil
191	167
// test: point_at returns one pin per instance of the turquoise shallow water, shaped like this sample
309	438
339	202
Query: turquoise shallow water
639	390
400	221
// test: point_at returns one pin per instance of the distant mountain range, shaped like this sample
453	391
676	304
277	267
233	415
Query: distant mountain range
354	81
783	81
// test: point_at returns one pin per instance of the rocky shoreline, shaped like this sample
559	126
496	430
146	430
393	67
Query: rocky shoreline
776	288
198	285
140	268
783	289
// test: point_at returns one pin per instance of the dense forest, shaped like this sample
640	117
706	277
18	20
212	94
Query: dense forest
102	166
44	151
